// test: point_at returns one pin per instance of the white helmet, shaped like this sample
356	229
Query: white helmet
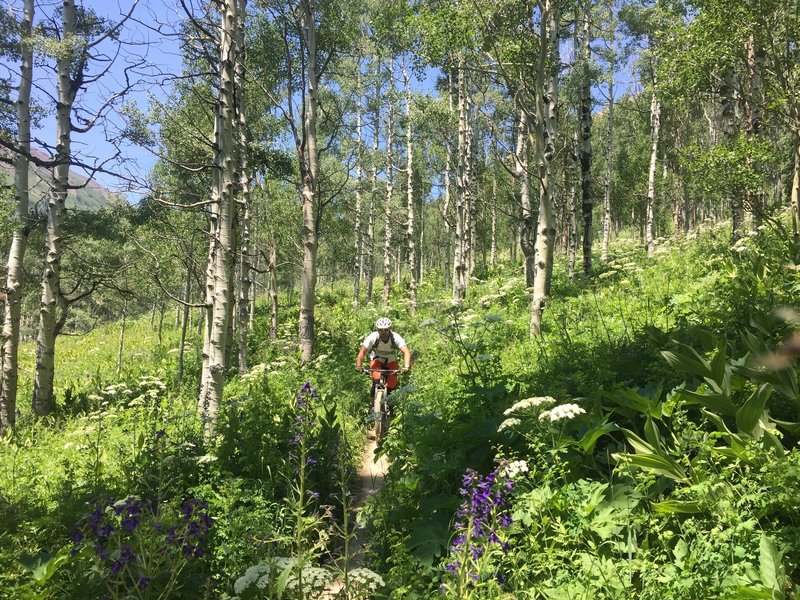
383	323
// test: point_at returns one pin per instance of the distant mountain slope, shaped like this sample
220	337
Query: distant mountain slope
91	196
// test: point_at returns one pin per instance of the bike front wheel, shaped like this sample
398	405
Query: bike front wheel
380	413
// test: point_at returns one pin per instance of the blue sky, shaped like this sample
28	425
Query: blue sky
144	43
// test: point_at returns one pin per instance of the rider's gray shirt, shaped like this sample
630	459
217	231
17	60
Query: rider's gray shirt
383	350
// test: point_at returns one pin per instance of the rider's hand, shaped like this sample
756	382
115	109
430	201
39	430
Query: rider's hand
358	368
404	369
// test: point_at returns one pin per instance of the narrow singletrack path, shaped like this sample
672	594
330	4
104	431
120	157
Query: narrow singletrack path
370	479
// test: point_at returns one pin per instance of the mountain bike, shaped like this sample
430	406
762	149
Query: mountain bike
380	410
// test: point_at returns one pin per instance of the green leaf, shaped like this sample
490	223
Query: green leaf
639	445
589	439
44	565
771	566
750	412
283	580
429	539
653	436
690	362
631	399
674	507
717	403
719	367
660	465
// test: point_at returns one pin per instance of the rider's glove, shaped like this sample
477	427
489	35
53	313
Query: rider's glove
404	370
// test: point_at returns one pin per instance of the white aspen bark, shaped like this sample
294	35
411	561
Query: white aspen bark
373	185
358	259
609	161
387	212
795	198
572	218
310	200
22	225
522	175
273	290
412	249
43	401
546	129
187	289
493	246
121	342
222	207
462	186
245	267
448	169
472	196
587	203
655	126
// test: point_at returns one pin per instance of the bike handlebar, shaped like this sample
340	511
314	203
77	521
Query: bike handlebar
368	370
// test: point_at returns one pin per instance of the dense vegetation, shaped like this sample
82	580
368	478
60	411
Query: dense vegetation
584	217
673	475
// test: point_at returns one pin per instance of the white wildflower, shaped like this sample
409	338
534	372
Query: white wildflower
250	576
530	403
366	578
513	469
562	411
508	424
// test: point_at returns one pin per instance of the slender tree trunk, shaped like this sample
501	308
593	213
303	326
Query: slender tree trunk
273	290
493	246
187	294
609	161
655	126
245	263
358	259
22	225
587	203
374	184
462	188
43	400
121	342
387	209
412	249
795	198
572	220
310	187
522	176
448	169
545	130
223	209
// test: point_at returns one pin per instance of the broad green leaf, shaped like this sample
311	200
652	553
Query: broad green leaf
639	445
674	507
717	403
719	367
429	539
653	436
750	412
631	399
661	465
771	566
589	439
689	362
283	580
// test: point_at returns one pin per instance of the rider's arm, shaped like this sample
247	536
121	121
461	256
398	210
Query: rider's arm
362	352
406	357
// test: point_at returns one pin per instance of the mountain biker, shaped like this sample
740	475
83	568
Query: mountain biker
382	346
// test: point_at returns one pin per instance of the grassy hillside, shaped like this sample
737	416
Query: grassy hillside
638	448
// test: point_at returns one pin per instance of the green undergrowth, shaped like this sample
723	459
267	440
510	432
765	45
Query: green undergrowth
644	445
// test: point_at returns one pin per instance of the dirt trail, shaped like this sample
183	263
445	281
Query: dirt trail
370	479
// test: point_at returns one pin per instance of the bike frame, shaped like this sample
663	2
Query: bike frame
379	401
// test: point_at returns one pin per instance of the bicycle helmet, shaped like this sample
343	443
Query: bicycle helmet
383	323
